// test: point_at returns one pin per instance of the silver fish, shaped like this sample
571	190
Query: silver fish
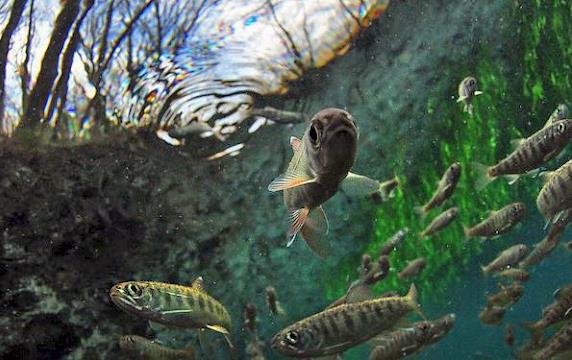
468	89
506	258
498	222
413	268
445	189
440	222
393	242
320	166
556	194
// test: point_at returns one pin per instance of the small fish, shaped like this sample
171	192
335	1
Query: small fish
445	189
319	167
544	247
556	194
560	113
403	342
498	222
337	329
413	268
388	187
440	222
554	313
272	302
249	315
560	342
509	336
467	91
172	305
393	242
506	258
507	296
515	274
529	154
492	314
138	347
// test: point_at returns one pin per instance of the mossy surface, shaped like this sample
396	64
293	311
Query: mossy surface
523	82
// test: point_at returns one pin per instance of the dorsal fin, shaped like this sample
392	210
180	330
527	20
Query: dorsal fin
199	284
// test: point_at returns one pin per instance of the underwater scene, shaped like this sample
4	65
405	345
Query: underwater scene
275	179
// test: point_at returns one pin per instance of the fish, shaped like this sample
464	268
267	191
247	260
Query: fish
529	154
387	188
557	311
445	189
506	258
272	302
403	342
507	296
249	315
138	347
440	222
544	247
337	329
413	268
467	91
556	194
319	167
515	274
492	314
172	305
560	113
509	336
560	342
498	222
393	242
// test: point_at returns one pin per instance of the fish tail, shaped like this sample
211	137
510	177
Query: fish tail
466	232
482	176
420	210
535	331
484	269
411	298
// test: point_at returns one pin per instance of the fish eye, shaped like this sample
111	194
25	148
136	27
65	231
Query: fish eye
313	134
134	290
292	337
561	127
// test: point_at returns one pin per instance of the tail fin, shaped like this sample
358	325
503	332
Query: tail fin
411	298
535	331
466	232
482	175
420	210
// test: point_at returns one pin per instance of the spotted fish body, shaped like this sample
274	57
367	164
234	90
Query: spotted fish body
440	222
560	342
530	153
445	189
342	327
138	347
238	52
556	194
498	222
506	258
172	305
554	313
403	342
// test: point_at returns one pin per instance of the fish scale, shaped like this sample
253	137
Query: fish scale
556	194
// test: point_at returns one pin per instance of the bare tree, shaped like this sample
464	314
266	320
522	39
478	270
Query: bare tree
49	68
59	93
23	70
15	16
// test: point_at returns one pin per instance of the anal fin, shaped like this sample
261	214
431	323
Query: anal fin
297	219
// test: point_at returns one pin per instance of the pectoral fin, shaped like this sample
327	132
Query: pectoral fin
359	185
217	328
477	93
515	143
295	143
315	230
288	181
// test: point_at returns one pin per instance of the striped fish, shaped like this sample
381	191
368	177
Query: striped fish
529	154
556	194
554	313
445	189
413	268
172	305
403	342
138	347
498	222
559	343
339	328
440	222
506	258
507	296
237	53
560	113
544	247
393	242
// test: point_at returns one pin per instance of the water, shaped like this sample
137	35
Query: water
100	197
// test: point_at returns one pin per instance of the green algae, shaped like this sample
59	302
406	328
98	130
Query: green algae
515	103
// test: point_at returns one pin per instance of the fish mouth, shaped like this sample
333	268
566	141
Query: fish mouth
123	301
